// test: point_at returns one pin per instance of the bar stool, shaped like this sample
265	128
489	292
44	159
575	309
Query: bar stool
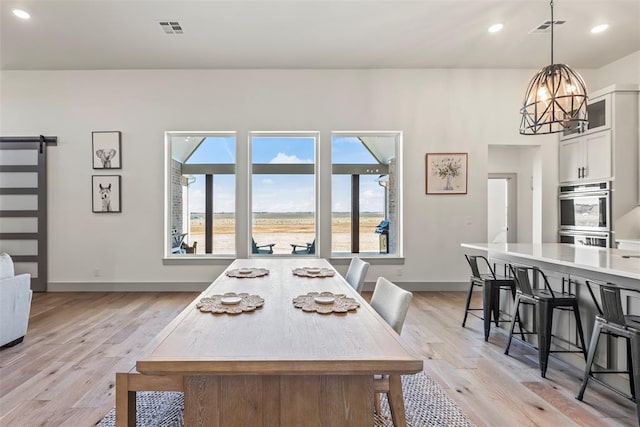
491	285
612	321
545	301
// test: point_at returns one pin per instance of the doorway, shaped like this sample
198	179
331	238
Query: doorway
501	208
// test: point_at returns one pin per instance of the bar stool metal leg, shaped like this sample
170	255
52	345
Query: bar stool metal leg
593	345
630	366
544	324
466	307
495	303
514	316
576	313
487	304
635	360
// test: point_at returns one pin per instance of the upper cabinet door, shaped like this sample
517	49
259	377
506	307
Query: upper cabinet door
597	150
585	158
598	114
570	159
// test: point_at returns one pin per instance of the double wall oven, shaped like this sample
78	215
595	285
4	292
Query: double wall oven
585	214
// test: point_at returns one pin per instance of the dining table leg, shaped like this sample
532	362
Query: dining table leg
125	402
396	401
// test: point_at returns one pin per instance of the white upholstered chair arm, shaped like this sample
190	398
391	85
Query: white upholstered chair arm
15	305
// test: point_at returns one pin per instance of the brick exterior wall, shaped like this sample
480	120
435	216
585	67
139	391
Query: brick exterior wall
392	207
176	197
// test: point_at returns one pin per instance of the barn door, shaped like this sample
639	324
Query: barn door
23	205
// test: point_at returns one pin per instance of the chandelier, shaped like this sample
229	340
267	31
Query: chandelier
556	99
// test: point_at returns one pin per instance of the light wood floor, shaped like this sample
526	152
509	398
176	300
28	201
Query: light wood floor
63	373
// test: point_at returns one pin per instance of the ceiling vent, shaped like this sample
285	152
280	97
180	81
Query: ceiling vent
171	27
545	27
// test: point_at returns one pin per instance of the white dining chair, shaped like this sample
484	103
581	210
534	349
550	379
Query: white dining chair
392	304
356	273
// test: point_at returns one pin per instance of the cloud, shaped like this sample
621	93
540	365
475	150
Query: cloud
268	181
283	158
196	201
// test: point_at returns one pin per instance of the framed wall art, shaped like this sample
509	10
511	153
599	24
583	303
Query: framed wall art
106	150
106	193
446	173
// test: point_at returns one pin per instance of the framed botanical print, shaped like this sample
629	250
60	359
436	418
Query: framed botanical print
446	173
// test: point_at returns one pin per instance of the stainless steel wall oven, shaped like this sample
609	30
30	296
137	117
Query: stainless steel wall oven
585	214
586	238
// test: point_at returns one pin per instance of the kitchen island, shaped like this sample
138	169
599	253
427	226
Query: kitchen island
570	268
620	267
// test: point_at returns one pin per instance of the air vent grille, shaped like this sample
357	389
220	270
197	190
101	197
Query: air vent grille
171	27
545	27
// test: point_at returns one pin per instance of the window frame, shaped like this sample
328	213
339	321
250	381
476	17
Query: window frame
168	207
323	173
398	254
316	178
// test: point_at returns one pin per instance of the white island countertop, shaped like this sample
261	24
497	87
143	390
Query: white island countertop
606	261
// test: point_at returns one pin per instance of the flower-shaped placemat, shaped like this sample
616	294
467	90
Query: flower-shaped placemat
230	303
247	273
325	302
314	272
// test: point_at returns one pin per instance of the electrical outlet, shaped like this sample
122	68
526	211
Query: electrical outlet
96	272
399	271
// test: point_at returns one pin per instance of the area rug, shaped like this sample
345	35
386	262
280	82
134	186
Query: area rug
425	404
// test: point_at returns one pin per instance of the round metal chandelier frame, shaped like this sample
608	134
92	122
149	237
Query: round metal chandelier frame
556	99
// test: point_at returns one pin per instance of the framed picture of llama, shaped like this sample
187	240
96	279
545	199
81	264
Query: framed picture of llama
106	150
446	173
106	193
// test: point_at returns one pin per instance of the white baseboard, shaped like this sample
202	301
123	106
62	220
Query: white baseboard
201	286
127	286
425	286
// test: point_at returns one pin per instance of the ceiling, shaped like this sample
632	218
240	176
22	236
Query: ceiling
304	34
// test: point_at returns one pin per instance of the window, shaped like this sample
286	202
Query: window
365	196
261	198
202	216
283	196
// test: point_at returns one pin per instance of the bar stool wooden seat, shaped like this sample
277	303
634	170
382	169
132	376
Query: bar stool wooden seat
545	301
491	285
613	322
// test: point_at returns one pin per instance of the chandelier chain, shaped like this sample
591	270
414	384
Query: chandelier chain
551	32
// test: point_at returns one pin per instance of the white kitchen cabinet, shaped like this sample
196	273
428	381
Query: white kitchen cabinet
599	114
587	157
629	244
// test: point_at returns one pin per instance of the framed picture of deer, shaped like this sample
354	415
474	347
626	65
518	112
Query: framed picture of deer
446	173
106	150
106	193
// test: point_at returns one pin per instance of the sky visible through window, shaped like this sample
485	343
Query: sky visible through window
268	190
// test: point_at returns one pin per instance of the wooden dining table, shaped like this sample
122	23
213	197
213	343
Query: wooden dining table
278	365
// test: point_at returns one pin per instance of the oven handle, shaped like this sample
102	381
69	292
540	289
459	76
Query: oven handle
589	234
565	196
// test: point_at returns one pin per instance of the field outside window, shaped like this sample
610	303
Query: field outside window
203	213
283	197
364	193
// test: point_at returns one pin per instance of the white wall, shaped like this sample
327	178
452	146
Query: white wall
438	111
624	70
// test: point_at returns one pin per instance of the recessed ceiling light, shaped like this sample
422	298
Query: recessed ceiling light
21	14
495	28
599	28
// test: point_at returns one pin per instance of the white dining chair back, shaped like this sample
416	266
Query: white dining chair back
356	273
391	302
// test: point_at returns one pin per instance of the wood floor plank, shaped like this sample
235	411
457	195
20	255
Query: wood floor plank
64	371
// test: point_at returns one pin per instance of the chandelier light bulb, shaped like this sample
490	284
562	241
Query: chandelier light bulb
21	14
